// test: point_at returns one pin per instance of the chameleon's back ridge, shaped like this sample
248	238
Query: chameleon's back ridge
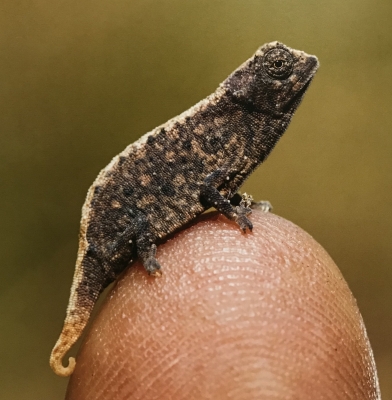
195	161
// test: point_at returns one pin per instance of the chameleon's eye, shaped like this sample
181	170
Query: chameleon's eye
278	63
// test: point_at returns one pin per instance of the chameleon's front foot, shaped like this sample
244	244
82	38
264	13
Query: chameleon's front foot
212	196
151	264
242	219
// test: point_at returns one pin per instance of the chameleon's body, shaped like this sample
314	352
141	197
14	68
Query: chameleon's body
175	172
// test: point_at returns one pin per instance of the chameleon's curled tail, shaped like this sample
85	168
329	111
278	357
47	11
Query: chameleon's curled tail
78	313
86	287
72	329
63	344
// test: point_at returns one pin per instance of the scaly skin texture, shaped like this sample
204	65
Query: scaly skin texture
172	174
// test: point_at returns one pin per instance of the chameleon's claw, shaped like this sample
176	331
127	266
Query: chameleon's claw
244	223
152	267
157	272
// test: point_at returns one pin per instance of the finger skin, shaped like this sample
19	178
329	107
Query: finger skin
261	315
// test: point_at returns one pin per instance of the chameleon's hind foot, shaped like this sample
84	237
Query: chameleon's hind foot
151	264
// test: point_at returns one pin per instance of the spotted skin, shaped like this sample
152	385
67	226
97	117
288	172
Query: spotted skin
172	174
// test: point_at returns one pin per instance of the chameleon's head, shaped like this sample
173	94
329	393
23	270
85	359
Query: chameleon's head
274	80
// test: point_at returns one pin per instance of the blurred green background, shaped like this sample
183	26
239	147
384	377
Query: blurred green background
79	80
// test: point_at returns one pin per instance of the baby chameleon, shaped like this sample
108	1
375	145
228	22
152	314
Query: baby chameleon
178	170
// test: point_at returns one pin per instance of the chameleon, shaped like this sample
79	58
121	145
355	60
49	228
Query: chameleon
175	172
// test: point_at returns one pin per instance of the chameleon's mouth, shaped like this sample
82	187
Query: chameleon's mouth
311	68
305	87
307	76
296	99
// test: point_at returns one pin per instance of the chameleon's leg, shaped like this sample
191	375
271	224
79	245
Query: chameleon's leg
137	234
145	246
210	194
149	261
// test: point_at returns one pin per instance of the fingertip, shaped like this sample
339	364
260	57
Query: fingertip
256	315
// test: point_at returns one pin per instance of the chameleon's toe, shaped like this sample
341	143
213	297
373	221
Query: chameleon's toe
242	219
151	264
244	223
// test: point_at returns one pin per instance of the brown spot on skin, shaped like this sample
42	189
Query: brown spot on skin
146	200
174	134
145	180
199	130
218	121
179	180
116	204
197	149
170	156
